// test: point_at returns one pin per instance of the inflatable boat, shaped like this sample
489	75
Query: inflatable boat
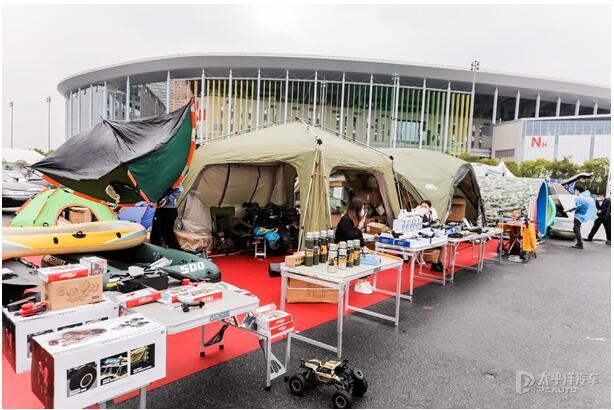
183	265
85	237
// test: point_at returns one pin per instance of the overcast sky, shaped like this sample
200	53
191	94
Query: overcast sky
44	44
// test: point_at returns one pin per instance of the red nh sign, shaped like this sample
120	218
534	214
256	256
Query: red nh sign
537	142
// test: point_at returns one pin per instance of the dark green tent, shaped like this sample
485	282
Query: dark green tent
125	162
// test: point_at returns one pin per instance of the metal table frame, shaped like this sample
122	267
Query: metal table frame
201	317
341	281
480	239
411	254
110	404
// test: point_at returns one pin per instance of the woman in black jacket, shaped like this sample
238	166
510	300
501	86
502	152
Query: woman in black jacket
350	227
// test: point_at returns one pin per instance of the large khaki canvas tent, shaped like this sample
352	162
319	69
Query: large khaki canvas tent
425	174
262	165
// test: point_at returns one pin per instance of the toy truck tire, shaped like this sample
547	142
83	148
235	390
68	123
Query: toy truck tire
297	384
341	400
360	384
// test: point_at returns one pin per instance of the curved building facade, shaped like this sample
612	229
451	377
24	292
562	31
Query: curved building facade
383	104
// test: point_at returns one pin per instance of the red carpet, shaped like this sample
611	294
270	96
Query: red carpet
245	272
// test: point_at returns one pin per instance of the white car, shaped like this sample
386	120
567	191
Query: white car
563	200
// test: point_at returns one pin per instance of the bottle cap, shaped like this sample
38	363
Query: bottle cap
309	235
322	234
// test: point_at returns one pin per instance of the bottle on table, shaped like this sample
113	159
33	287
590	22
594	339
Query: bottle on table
323	247
331	265
357	252
350	258
309	249
343	253
316	248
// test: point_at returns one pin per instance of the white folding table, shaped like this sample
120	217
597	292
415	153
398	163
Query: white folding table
340	280
480	239
412	253
224	310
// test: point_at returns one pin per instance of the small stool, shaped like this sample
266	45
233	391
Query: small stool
259	254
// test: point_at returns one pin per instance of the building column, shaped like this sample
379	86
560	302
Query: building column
342	112
201	109
229	117
127	99
258	100
369	113
286	97
558	107
422	113
447	122
471	108
537	104
494	107
595	108
78	110
91	107
105	97
577	110
517	106
397	83
315	98
168	92
66	116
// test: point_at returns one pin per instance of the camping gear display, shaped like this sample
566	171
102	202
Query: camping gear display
182	265
424	174
124	162
86	237
142	213
502	196
18	331
45	208
263	165
94	363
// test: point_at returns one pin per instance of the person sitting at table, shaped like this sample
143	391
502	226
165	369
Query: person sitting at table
350	227
429	215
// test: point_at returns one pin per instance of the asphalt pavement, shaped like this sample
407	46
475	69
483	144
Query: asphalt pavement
515	336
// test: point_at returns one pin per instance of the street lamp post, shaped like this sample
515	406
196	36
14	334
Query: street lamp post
475	66
48	99
11	105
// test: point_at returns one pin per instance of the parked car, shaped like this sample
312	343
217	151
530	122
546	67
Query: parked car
563	200
16	190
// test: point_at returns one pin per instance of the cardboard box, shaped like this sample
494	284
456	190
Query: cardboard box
294	260
432	256
94	265
200	294
376	228
79	215
139	297
274	331
65	272
194	242
334	219
17	331
299	291
266	321
72	292
171	295
457	210
94	363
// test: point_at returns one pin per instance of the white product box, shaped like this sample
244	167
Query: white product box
94	265
56	273
139	297
267	321
17	331
97	362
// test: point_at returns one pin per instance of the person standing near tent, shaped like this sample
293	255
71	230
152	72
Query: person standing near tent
603	218
584	211
429	216
162	227
350	227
